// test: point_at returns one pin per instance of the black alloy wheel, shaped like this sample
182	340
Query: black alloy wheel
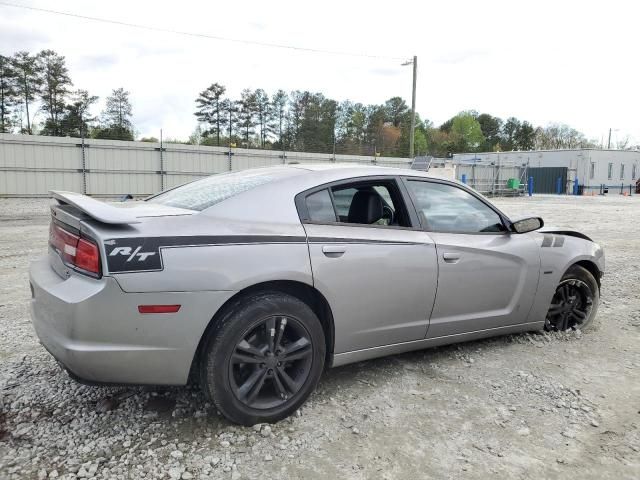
262	357
575	301
271	362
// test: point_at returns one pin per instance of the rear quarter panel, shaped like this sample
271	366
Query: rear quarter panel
200	277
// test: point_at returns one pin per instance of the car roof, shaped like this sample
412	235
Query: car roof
347	170
260	202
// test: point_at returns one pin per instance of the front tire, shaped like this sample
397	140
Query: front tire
263	359
575	303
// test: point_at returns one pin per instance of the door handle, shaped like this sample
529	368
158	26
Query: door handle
334	250
451	257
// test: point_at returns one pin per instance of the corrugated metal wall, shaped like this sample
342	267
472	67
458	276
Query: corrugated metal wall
545	179
29	167
32	165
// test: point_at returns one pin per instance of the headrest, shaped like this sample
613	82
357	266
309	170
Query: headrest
366	207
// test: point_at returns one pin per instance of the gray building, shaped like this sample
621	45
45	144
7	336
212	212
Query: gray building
613	169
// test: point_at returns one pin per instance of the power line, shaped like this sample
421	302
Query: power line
200	35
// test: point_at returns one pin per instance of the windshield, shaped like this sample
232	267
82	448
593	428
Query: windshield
204	193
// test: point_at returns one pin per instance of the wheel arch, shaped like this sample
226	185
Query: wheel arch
590	266
302	291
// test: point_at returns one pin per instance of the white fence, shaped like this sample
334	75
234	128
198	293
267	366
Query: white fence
33	165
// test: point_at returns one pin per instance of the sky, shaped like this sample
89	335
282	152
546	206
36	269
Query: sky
574	62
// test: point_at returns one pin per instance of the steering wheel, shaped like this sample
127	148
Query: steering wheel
387	213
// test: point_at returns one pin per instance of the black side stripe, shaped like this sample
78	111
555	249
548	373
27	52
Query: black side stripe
144	254
185	241
180	241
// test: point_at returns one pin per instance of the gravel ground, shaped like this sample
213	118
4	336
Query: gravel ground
561	405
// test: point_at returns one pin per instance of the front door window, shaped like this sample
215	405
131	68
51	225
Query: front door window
447	208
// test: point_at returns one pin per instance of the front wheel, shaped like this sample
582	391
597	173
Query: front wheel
264	358
575	303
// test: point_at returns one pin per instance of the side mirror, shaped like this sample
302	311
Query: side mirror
527	224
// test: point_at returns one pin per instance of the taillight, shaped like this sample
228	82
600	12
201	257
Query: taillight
75	251
64	242
87	256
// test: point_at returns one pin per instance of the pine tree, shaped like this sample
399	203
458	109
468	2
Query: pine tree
28	82
279	108
210	109
76	119
264	114
116	117
246	115
55	82
229	109
8	93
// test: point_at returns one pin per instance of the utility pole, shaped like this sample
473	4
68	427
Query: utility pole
84	157
230	153
412	132
334	144
609	142
161	164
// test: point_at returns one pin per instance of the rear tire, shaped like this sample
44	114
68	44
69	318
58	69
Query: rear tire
575	303
263	358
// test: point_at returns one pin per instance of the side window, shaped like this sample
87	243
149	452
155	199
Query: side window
375	203
320	207
343	199
370	204
446	208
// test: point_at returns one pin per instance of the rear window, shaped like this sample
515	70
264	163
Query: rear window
204	193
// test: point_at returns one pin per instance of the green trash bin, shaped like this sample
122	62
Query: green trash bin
513	183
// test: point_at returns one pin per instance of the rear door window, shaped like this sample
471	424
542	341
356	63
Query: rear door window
320	207
343	198
376	203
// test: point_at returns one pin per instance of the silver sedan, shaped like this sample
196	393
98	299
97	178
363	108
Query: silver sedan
254	281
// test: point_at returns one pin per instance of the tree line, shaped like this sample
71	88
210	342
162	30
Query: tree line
36	96
303	121
306	121
39	84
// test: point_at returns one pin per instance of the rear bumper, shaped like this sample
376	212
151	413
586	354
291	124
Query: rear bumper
95	331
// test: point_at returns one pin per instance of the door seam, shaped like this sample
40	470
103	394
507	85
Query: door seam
435	297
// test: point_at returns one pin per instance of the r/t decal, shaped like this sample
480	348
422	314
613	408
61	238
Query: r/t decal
126	251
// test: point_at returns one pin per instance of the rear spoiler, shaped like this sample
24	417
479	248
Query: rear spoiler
101	211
